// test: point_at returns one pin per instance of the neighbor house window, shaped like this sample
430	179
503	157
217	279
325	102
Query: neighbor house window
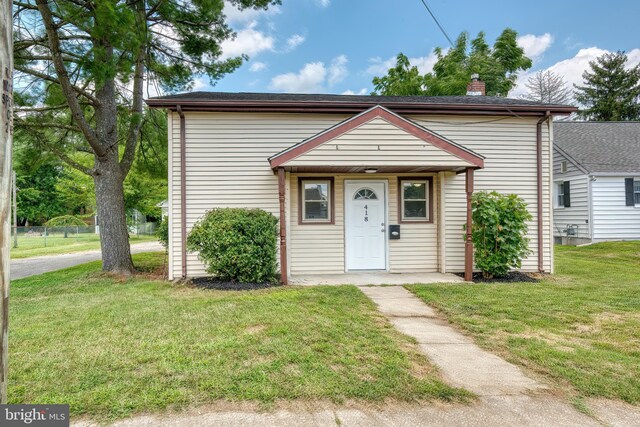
563	194
316	200
636	191
560	194
415	199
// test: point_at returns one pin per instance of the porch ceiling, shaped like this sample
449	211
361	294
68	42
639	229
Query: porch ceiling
378	169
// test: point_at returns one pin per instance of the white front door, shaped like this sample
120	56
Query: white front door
365	227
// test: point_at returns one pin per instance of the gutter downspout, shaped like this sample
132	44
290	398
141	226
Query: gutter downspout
183	192
546	116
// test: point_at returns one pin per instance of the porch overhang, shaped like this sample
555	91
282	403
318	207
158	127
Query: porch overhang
376	140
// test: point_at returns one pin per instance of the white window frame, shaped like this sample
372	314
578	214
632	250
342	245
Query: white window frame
427	200
303	201
563	166
636	192
559	190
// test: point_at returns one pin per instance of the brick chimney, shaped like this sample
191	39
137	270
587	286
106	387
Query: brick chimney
476	86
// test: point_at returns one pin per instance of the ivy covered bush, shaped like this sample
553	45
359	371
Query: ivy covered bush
499	232
237	244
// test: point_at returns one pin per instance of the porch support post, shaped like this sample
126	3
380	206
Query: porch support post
468	247
283	226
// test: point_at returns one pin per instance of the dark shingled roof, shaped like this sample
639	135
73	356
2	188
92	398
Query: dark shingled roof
301	97
600	146
491	103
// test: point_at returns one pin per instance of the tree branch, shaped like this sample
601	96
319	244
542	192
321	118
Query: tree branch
136	106
67	88
47	77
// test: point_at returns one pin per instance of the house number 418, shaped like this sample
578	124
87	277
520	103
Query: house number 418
366	213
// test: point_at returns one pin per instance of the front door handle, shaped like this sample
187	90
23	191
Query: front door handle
383	229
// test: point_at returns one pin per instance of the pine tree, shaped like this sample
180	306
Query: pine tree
611	92
84	67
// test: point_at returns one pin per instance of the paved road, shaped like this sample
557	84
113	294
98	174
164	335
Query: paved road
26	267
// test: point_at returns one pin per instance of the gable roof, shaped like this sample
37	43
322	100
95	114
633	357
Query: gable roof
292	102
600	147
455	151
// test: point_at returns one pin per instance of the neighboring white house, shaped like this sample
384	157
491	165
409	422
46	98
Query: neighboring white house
596	171
359	183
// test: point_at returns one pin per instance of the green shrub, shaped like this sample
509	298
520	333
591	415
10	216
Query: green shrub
162	232
498	232
237	244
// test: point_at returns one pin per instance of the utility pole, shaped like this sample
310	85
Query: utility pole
6	141
14	187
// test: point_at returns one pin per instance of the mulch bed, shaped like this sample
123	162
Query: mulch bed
225	285
510	277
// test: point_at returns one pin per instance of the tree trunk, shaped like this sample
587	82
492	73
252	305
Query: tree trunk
114	236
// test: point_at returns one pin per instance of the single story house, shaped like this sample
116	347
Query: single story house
359	183
596	169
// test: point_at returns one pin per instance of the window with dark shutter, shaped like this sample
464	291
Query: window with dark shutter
629	192
567	194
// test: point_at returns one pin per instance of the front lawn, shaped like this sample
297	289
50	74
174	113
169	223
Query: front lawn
111	348
580	328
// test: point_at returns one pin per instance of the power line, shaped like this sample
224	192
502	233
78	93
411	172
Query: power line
437	22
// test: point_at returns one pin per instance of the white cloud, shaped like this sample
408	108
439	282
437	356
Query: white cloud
535	46
294	41
323	3
362	91
257	66
201	83
338	69
248	41
425	64
314	77
237	16
309	79
571	69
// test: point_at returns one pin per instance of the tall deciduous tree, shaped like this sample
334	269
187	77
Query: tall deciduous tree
611	92
95	56
497	66
548	87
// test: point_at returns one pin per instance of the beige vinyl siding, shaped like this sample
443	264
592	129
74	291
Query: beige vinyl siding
227	165
509	147
377	143
612	219
319	248
578	212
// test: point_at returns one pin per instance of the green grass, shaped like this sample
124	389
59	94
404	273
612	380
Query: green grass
112	347
58	244
580	328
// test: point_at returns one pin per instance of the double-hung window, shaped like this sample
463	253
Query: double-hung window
415	199
636	191
316	200
560	194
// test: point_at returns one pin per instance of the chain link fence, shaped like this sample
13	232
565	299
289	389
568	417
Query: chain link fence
40	236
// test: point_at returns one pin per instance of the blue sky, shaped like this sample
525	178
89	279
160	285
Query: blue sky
337	46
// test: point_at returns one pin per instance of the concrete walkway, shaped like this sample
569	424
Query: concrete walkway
490	411
25	267
461	362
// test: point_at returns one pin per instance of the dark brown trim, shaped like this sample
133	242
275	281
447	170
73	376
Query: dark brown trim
283	226
468	245
377	112
539	189
354	107
429	180
183	192
332	199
